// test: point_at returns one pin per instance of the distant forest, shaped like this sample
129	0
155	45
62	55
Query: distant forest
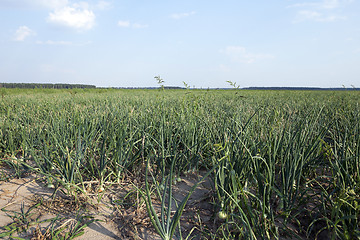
302	88
45	85
71	86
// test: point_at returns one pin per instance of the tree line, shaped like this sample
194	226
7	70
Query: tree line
45	85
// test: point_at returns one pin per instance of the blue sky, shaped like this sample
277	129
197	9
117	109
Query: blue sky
126	43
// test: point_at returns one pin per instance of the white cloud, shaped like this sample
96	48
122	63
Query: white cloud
309	14
138	25
332	18
77	16
305	15
22	33
103	5
49	42
320	11
240	54
126	24
182	15
74	14
324	4
331	4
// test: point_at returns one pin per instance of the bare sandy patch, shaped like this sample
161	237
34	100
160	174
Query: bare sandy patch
35	212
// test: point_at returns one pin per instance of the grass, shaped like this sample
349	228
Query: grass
290	158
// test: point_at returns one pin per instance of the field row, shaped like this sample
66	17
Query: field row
281	163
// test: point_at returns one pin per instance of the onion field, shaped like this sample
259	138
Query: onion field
281	164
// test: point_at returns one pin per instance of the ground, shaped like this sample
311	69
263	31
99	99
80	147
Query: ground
33	211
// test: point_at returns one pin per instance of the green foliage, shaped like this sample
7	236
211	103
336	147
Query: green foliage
187	86
233	84
160	81
166	225
23	220
288	155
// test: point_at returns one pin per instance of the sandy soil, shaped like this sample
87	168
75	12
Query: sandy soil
121	212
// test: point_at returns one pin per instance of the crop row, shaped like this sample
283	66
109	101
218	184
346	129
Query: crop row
289	159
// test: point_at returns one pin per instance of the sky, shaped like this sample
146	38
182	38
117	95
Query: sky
126	43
